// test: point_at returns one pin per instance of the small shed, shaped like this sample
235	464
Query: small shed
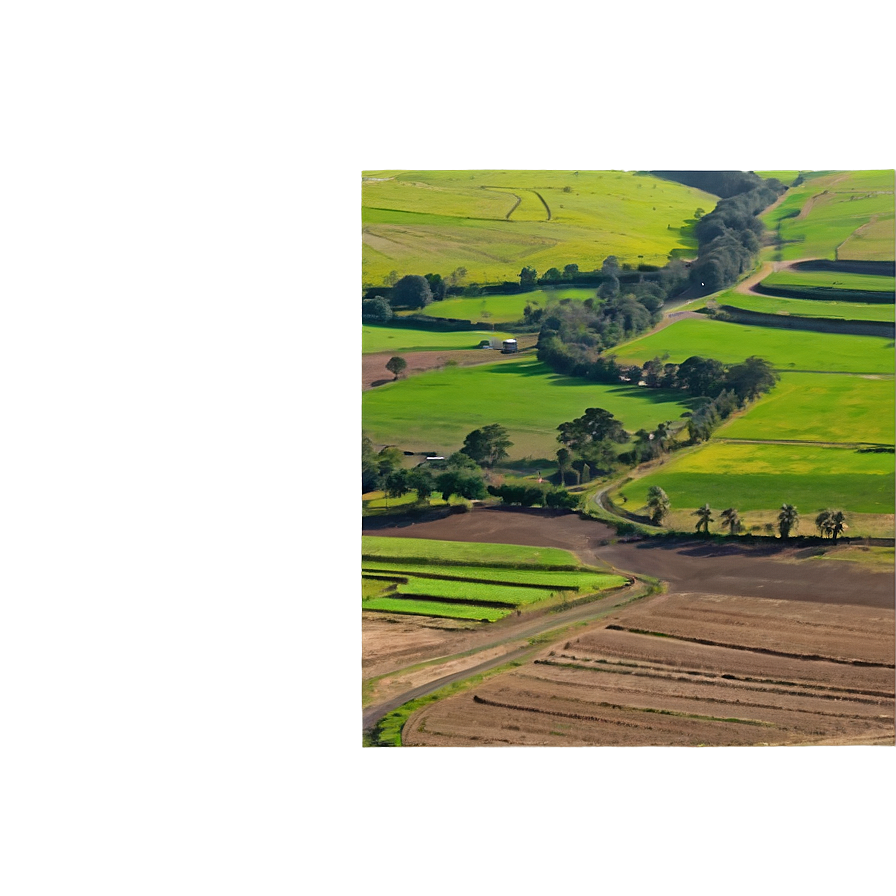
508	346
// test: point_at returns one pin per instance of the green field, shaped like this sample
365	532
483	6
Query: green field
809	307
822	217
504	309
418	222
406	339
791	278
410	607
820	407
784	349
434	411
376	547
449	582
763	477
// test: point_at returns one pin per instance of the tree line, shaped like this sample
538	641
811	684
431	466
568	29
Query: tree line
830	523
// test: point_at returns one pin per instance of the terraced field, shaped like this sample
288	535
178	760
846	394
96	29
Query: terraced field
414	582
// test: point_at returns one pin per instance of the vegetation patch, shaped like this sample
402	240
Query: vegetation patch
819	407
436	410
376	339
731	343
638	218
824	310
753	477
430	550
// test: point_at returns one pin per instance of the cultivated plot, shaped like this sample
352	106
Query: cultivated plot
756	476
689	670
732	343
818	407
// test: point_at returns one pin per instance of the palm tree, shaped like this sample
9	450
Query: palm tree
788	519
823	522
658	502
838	524
705	515
731	519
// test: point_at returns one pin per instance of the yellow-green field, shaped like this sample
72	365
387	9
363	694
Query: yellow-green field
837	215
764	476
493	223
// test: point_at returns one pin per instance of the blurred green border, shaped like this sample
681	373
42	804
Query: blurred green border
178	264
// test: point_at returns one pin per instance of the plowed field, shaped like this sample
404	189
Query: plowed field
713	670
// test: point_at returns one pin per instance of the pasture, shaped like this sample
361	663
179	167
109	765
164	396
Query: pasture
755	477
790	278
822	217
819	407
435	411
493	223
504	309
817	308
783	349
375	339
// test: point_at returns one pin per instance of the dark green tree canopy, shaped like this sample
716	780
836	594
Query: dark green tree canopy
487	446
412	291
595	425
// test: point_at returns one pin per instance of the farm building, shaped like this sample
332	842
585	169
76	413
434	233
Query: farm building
509	345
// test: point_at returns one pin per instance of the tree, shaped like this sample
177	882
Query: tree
731	519
788	520
422	482
487	446
563	461
528	276
437	286
570	271
460	483
823	523
751	378
704	515
658	502
411	291
377	309
397	484
396	365
370	471
831	523
595	425
457	276
552	275
391	278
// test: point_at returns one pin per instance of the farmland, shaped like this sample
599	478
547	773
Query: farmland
415	582
499	309
833	310
407	339
828	216
520	393
818	407
762	476
584	637
688	669
495	222
795	277
731	343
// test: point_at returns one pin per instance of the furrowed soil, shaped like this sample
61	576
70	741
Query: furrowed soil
749	645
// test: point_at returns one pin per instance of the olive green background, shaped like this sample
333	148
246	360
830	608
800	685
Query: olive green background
180	260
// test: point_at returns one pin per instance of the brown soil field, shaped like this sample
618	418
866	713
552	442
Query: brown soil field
771	673
373	366
751	644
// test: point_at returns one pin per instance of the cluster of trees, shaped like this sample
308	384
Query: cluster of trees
729	237
574	334
532	496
